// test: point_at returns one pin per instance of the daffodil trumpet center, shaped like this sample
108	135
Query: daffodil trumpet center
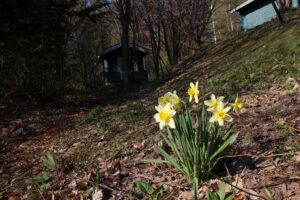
221	114
164	116
192	91
238	105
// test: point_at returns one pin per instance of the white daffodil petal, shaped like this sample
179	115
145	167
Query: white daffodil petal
156	117
212	119
228	118
172	123
158	108
210	109
196	99
213	97
167	107
221	98
173	112
227	109
220	106
221	122
161	125
207	103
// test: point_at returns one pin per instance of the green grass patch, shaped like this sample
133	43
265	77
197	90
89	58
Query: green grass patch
94	113
275	58
289	86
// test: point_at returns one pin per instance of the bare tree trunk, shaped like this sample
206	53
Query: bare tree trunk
135	39
166	42
124	8
155	43
154	28
165	34
60	57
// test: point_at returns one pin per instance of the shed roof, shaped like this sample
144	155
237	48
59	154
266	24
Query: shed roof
119	46
245	4
241	6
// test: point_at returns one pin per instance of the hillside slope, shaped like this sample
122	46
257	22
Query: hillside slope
257	59
262	67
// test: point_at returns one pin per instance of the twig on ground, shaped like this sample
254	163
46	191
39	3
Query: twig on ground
277	183
109	188
266	186
258	156
101	185
241	189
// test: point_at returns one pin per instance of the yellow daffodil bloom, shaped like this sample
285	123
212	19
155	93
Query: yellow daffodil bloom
163	100
193	92
175	100
165	116
213	102
237	105
220	114
171	98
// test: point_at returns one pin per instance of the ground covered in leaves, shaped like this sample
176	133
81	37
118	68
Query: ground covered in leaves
100	138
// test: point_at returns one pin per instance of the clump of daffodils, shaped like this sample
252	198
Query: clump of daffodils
194	136
170	103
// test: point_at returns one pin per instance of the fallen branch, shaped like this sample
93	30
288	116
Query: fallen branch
267	186
108	188
258	156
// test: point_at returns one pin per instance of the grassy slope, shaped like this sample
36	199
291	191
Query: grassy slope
258	59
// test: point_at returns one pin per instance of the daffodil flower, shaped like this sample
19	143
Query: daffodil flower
193	92
220	114
213	102
165	116
175	101
163	100
171	98
237	105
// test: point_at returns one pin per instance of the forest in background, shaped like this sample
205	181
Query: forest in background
49	46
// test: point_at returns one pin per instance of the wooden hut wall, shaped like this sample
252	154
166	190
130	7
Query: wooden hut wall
256	14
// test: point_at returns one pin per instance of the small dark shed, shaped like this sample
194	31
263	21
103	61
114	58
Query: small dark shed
112	64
